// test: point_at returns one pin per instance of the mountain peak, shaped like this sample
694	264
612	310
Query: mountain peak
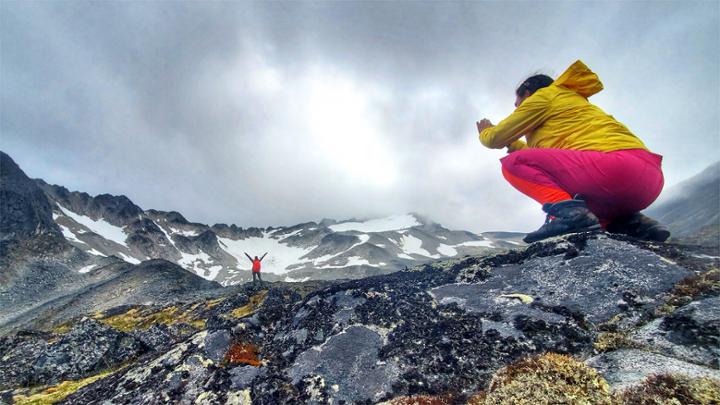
24	208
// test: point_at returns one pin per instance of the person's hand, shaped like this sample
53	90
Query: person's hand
482	124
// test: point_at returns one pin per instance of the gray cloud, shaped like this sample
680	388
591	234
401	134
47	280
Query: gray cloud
274	113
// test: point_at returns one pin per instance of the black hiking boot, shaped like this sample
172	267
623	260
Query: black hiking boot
569	216
639	226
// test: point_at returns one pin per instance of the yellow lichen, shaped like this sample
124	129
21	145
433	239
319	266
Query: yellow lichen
547	379
256	302
609	341
239	398
142	318
668	389
525	299
198	323
62	329
213	303
58	392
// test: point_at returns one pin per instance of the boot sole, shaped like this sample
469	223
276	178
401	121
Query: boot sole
594	227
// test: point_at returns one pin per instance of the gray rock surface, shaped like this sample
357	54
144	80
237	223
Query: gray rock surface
607	276
348	366
691	333
625	368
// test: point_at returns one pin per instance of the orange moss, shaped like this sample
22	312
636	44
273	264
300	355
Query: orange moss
243	353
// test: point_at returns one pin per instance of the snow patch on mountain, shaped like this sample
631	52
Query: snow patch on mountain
392	223
167	235
478	243
200	264
128	259
100	227
69	235
446	250
351	261
412	245
87	269
184	233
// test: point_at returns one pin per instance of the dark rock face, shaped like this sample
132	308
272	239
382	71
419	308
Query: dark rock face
117	210
160	337
332	243
24	209
235	232
149	240
87	349
17	355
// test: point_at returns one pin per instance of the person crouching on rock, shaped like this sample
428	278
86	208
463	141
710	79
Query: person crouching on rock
256	266
586	169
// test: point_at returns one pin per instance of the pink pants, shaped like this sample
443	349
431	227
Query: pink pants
614	184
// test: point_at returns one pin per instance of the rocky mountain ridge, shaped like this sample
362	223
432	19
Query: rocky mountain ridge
107	225
691	209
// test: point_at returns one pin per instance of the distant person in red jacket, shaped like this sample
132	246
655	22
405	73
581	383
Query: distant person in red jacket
256	266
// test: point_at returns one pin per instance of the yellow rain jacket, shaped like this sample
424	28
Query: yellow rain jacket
560	116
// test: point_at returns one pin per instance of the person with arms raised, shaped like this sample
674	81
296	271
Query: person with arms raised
256	266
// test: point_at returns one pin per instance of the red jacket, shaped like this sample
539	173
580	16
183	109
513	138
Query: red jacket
256	266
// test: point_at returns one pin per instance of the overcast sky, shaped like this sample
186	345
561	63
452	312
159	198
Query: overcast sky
277	113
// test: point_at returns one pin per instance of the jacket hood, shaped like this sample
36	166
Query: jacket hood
580	79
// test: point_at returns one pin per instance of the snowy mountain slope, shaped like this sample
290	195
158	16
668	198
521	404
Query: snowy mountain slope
113	226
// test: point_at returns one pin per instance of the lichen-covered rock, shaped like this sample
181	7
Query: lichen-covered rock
17	355
179	375
161	337
87	349
691	333
337	365
603	278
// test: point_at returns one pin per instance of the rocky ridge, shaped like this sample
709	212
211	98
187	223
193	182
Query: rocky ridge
105	226
611	312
